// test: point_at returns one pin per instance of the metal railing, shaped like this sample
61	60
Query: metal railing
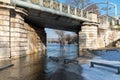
57	6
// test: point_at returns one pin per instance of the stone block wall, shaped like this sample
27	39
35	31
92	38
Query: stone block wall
91	38
93	17
89	33
18	38
4	33
88	36
18	35
107	38
25	38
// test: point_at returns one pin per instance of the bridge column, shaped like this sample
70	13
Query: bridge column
17	37
25	38
88	35
4	32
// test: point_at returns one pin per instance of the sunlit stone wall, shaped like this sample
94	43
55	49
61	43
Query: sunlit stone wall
25	38
4	33
88	36
18	38
107	38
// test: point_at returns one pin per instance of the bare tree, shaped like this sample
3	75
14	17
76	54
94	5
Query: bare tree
78	3
68	38
74	38
93	8
71	39
61	37
82	4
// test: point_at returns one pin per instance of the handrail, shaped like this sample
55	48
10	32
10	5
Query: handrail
57	6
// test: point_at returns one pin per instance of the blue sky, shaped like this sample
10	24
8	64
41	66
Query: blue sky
52	34
117	2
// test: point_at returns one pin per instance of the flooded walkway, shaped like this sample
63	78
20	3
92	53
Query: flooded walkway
26	68
39	66
58	69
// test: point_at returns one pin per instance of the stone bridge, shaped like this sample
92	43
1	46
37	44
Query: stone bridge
109	38
22	24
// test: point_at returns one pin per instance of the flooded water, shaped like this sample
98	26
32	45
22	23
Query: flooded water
69	51
30	67
54	50
37	66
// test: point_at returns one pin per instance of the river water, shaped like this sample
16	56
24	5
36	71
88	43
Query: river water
54	50
69	51
39	66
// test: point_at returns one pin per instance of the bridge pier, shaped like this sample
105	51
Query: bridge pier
18	38
88	34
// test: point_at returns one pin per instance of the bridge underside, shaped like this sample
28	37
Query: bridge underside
53	21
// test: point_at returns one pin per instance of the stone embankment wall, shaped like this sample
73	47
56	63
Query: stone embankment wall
18	38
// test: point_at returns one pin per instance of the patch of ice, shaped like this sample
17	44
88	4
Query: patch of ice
99	73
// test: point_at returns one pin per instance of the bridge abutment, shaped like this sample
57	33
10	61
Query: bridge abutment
88	34
18	38
88	37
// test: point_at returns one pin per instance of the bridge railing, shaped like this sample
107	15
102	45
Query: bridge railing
59	7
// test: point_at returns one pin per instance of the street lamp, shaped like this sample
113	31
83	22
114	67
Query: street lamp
113	4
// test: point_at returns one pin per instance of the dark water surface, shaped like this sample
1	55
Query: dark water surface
30	67
37	66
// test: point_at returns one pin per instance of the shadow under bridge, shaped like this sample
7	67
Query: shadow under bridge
52	14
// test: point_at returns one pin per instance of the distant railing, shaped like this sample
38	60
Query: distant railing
59	7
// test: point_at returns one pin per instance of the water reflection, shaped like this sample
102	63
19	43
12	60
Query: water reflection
67	52
38	66
26	68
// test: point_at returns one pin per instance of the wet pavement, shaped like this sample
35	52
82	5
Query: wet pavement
38	66
26	68
57	68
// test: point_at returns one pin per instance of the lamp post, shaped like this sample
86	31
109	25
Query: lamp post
108	3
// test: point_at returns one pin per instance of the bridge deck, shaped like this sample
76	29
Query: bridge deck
53	7
52	14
